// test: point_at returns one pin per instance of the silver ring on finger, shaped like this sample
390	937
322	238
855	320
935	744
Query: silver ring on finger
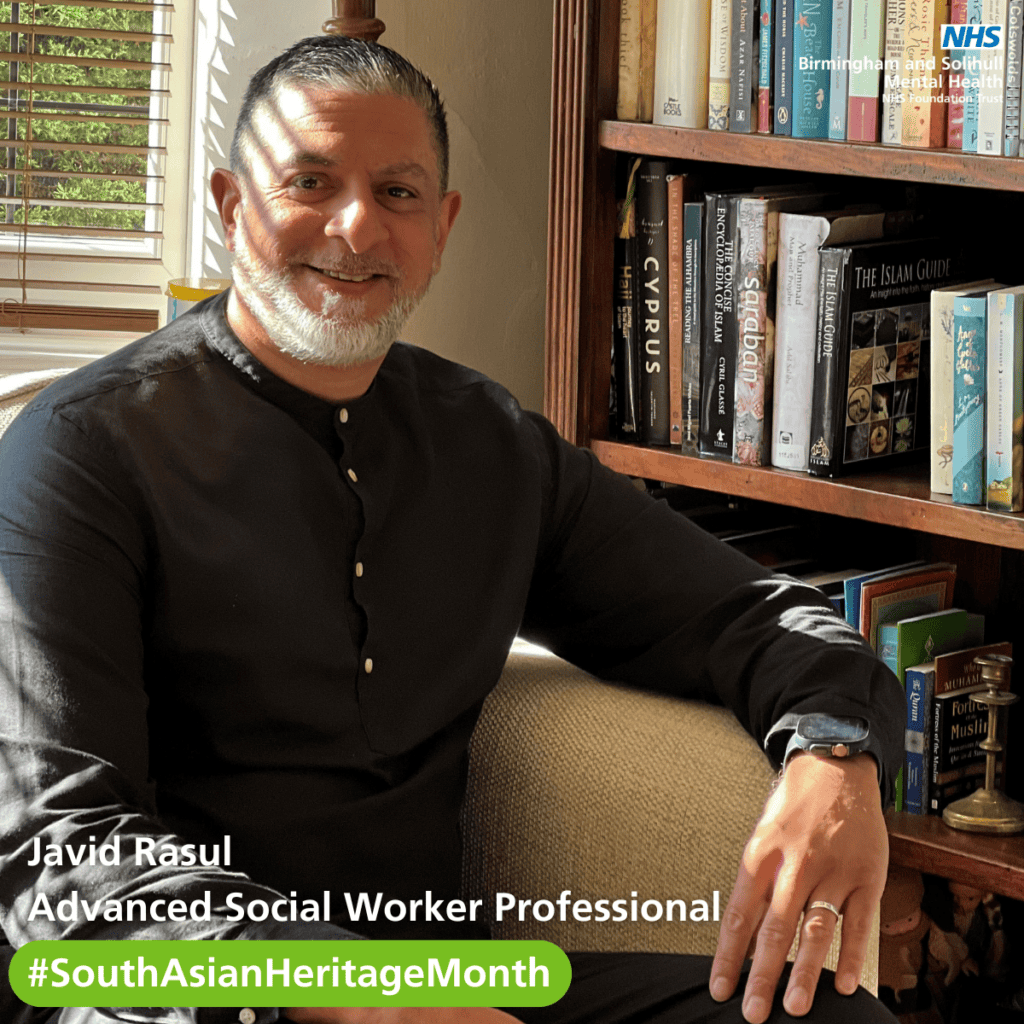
825	906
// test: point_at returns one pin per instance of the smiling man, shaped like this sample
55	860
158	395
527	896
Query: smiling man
259	570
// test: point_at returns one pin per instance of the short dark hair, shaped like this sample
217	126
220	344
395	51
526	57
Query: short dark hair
343	63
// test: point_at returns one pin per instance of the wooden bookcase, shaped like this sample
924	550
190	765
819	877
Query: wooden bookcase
988	547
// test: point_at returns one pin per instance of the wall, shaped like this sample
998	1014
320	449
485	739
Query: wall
491	62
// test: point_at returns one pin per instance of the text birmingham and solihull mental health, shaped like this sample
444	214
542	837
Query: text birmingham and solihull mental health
361	906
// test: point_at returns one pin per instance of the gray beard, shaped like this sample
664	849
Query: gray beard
337	336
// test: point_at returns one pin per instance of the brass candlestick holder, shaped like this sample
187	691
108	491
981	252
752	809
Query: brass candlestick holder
989	809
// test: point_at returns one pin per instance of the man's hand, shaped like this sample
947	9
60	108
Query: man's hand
821	837
400	1015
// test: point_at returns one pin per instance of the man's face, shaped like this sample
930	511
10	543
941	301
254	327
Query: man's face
338	224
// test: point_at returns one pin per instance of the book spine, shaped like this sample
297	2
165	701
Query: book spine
1005	416
651	276
718	360
783	67
941	409
648	44
625	383
839	76
719	61
742	66
675	306
693	266
1014	52
955	113
627	107
924	114
867	38
892	93
811	48
992	87
972	85
765	82
829	348
919	684
969	316
681	66
796	325
754	346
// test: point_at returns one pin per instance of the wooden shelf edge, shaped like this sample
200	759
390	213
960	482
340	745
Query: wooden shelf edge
900	498
992	863
816	156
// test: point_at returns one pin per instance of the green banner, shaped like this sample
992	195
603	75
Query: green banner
290	973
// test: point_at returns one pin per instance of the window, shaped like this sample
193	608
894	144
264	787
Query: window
85	120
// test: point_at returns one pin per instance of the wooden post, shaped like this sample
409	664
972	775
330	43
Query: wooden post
354	18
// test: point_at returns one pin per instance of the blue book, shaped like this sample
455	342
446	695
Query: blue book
839	76
969	317
783	67
812	47
852	588
972	70
920	684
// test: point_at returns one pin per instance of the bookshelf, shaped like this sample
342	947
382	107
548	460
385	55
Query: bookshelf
988	547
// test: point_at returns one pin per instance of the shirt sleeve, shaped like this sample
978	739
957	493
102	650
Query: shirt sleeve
634	592
74	560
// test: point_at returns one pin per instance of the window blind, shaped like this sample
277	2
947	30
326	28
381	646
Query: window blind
84	91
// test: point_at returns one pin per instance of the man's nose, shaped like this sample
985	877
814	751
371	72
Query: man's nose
357	220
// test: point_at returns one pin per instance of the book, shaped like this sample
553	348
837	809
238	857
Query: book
922	109
892	89
743	67
681	63
1014	51
959	725
800	237
676	201
1004	426
867	40
969	317
839	73
718	360
637	35
625	376
651	288
946	672
782	67
765	69
941	360
870	398
971	82
854	584
812	44
719	64
901	595
992	82
955	85
693	273
757	240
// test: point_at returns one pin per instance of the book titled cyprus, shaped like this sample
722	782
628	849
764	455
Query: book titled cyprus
870	399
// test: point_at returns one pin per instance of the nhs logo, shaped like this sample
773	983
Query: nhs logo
972	37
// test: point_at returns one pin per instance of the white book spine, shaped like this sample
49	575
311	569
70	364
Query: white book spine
681	63
840	75
795	327
628	103
992	85
1003	408
941	447
719	64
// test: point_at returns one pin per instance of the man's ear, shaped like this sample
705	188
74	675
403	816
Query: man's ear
227	194
451	203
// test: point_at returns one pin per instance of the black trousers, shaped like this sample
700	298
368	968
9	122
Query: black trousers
607	988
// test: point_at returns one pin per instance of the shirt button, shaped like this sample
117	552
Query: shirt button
359	568
343	415
247	1016
352	476
368	665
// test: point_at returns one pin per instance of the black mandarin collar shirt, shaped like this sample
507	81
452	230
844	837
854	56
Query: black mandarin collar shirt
230	607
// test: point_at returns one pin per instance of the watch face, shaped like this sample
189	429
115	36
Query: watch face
832	728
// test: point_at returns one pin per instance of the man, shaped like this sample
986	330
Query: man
260	569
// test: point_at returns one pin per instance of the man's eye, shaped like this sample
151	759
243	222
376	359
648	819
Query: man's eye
306	181
400	192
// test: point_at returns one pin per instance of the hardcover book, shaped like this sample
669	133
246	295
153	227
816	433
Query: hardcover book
676	201
1014	55
871	359
924	114
637	33
626	379
693	273
1005	402
812	45
972	63
743	67
852	588
867	41
765	69
892	92
681	65
955	86
719	64
992	83
839	73
969	345
782	68
941	358
902	595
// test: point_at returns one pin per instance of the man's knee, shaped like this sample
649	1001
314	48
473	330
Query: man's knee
831	1007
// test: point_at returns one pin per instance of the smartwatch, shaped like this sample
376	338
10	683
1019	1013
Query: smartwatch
828	735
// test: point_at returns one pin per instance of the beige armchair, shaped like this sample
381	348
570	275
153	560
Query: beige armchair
576	784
